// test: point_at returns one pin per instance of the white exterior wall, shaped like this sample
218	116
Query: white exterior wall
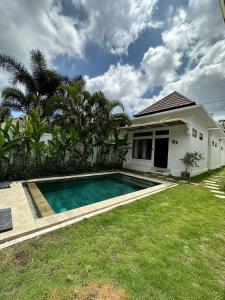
176	151
181	134
214	157
222	152
216	150
199	145
177	133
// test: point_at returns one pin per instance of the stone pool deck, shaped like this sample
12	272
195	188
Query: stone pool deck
26	225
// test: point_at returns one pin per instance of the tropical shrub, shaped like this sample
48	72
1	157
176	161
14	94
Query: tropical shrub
191	160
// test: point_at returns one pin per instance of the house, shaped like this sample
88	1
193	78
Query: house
161	134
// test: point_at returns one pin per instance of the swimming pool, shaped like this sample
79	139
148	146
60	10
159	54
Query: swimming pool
64	195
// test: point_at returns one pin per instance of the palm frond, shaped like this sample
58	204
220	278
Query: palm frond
114	104
16	99
17	70
38	61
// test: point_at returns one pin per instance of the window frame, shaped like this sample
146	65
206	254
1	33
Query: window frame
162	132
147	156
194	133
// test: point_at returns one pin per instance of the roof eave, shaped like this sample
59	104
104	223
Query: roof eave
164	110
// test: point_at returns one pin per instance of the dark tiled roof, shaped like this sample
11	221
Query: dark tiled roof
172	101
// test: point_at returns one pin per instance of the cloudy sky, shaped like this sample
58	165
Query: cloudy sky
134	50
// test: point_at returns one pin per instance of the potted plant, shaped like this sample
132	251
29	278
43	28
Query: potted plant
191	160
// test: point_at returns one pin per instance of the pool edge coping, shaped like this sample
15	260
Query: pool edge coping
78	214
41	204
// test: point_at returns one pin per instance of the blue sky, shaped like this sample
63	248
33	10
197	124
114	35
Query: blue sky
136	51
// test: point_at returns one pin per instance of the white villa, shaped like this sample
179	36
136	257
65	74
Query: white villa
161	134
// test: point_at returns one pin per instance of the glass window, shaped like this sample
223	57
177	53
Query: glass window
194	132
162	132
201	136
142	149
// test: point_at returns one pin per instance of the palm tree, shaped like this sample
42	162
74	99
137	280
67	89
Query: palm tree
105	115
106	123
41	82
4	113
17	100
70	104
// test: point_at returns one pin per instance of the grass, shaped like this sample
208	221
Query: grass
207	175
167	246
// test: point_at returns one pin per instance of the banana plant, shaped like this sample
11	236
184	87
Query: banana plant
74	140
120	147
35	127
59	144
8	141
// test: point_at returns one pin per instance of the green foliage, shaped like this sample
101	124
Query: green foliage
191	159
39	84
25	152
4	113
83	128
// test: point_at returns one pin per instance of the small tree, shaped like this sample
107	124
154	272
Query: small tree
191	159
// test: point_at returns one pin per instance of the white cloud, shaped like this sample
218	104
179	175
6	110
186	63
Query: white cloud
202	84
193	34
160	64
194	27
27	25
116	24
4	79
121	82
38	24
196	34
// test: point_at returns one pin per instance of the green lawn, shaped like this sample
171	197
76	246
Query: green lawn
208	175
167	246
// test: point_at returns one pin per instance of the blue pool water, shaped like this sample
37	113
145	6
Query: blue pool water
63	195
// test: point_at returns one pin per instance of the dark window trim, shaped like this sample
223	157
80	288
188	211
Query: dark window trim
162	132
140	134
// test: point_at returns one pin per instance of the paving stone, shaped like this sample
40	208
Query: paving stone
220	196
212	184
210	181
215	191
210	187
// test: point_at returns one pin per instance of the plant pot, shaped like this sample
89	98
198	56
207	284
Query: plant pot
185	175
